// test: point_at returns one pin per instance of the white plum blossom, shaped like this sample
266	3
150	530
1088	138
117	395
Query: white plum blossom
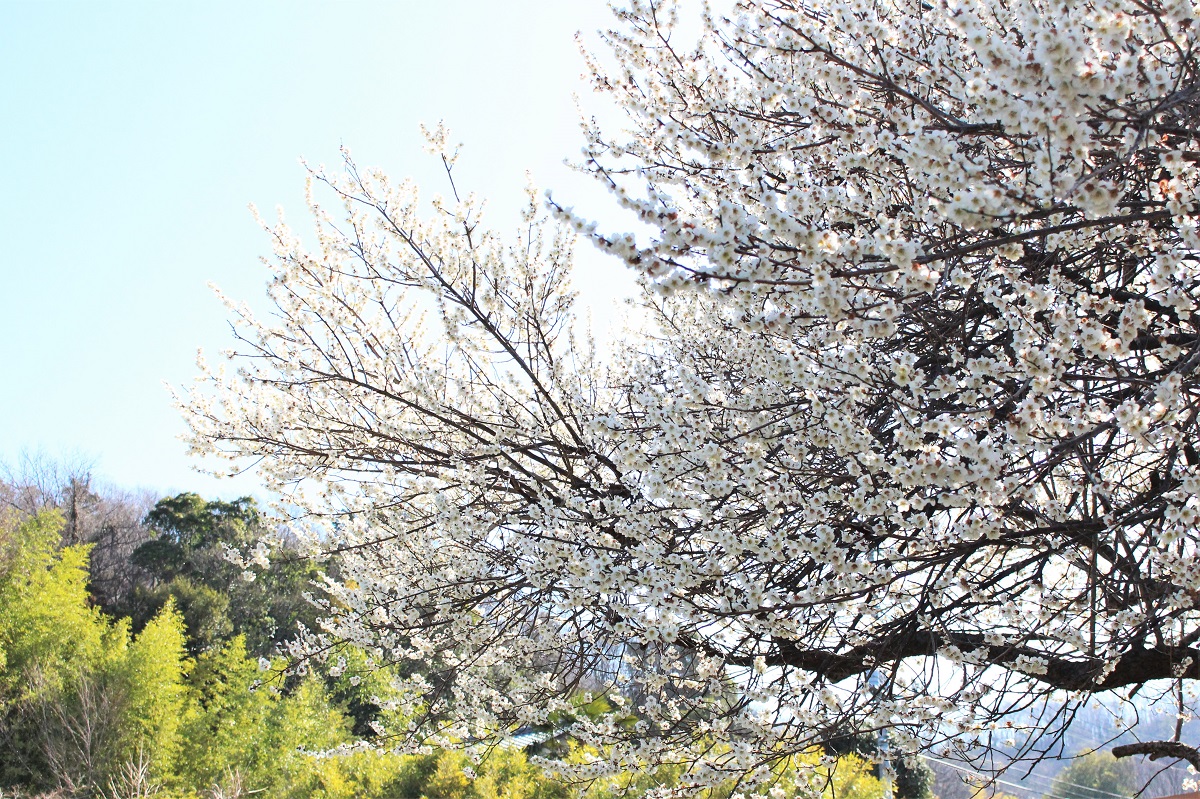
909	440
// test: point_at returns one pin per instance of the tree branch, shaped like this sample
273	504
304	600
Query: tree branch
1160	749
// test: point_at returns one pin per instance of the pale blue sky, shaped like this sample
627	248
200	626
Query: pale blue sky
133	135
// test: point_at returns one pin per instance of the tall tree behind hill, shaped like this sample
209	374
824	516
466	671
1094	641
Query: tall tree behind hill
1095	775
189	559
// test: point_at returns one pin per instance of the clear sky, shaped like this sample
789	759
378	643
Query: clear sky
133	135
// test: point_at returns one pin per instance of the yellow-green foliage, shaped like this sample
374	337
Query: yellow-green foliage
224	732
809	774
847	777
503	774
360	775
48	633
507	774
243	724
152	671
80	697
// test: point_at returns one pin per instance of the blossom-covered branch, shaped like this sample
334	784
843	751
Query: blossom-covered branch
910	440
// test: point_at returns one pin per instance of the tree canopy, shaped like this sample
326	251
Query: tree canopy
1095	775
188	562
908	442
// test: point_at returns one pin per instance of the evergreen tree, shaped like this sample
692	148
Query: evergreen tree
1095	775
188	561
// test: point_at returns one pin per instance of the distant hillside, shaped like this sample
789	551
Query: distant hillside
1092	728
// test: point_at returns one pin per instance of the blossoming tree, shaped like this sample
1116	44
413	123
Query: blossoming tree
910	443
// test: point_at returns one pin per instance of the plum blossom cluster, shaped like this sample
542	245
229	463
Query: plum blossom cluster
911	441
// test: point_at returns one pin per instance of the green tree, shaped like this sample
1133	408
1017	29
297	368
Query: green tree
48	637
245	726
188	562
912	778
359	775
502	774
205	609
45	619
153	669
80	698
232	707
359	686
1095	775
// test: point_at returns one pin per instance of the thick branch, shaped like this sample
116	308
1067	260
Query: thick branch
1134	667
1158	749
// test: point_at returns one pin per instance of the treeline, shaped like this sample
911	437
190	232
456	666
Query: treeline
142	552
154	668
137	660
